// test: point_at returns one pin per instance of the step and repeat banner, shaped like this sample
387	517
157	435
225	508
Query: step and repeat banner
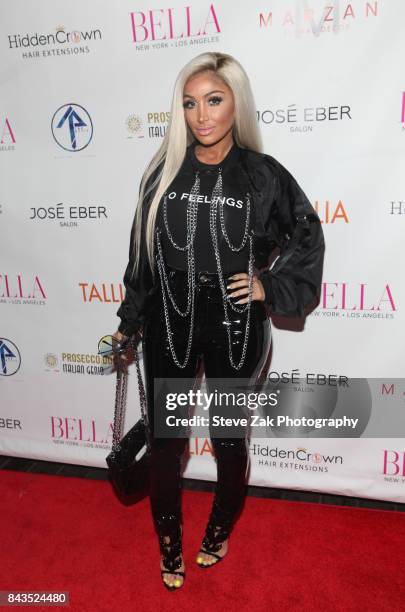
85	93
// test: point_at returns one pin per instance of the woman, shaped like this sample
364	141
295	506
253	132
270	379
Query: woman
212	209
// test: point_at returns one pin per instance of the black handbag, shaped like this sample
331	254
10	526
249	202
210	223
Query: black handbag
129	460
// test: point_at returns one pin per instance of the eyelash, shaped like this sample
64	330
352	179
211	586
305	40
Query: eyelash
214	98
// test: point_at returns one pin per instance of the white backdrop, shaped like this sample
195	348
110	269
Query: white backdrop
85	94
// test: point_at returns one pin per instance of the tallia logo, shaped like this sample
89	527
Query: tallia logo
200	446
104	292
21	289
394	463
7	137
172	24
331	212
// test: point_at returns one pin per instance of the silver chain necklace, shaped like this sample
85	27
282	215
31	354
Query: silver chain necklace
191	228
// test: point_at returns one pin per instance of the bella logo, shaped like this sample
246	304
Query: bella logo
160	24
83	430
15	287
347	298
394	463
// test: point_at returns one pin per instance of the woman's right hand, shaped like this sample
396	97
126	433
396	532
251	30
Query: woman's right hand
119	336
122	360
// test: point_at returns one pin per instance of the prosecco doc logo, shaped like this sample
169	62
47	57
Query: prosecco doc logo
88	364
154	125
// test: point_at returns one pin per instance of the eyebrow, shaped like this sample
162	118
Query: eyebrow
207	94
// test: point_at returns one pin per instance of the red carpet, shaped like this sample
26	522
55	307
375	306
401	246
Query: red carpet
72	534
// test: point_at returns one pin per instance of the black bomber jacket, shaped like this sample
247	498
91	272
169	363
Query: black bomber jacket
284	225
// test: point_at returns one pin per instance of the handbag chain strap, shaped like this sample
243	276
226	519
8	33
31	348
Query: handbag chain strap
142	395
121	390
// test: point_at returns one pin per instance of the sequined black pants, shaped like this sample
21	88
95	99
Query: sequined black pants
210	343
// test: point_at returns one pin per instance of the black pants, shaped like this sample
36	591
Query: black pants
210	343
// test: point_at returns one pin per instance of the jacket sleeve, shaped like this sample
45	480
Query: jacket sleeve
294	280
138	288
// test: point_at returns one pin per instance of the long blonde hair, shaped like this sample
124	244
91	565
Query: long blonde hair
178	136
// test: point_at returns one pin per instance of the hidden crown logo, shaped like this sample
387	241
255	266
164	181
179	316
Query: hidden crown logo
61	42
72	127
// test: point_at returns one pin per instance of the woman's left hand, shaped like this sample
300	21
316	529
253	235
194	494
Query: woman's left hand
238	286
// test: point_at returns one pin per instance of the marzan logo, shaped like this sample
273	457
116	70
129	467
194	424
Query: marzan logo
72	127
7	138
10	358
333	16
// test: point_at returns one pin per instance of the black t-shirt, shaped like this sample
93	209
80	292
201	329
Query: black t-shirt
234	192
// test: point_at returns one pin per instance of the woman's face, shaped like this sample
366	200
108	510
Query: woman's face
208	107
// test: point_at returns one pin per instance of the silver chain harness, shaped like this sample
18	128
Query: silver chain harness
191	228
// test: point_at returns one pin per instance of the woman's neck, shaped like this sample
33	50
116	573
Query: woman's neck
213	154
